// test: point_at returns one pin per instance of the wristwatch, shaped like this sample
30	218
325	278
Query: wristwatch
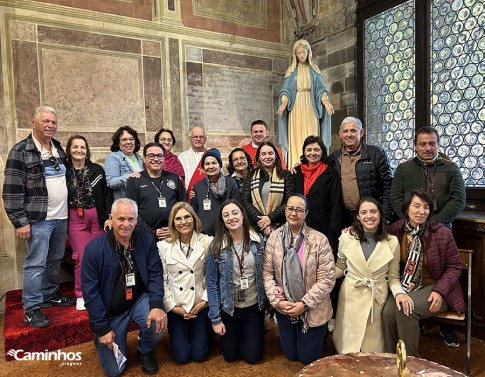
306	306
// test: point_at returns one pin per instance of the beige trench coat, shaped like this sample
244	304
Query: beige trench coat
358	320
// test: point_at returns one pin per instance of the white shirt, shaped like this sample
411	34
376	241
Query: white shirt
189	160
55	181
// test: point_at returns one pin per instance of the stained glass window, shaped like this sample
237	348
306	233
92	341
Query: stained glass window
457	83
457	90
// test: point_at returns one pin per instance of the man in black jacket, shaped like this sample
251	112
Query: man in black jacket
364	170
155	192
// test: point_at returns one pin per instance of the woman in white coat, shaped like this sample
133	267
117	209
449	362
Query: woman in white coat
369	259
184	258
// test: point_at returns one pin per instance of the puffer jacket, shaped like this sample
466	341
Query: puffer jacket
317	256
374	176
444	262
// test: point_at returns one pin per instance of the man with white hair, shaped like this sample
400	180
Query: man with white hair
190	159
35	199
121	278
364	170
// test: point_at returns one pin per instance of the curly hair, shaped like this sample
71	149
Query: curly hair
115	147
230	165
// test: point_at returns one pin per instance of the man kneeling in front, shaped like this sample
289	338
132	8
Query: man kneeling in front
121	278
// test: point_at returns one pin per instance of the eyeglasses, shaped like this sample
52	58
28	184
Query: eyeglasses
127	139
198	137
54	162
165	140
237	159
152	156
186	218
299	211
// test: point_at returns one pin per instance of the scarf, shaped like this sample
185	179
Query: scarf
292	274
199	173
412	275
276	191
219	187
311	174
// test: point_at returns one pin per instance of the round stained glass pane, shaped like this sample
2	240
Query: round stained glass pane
450	151
463	151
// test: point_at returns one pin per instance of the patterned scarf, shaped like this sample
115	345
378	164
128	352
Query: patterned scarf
276	191
412	275
292	274
219	187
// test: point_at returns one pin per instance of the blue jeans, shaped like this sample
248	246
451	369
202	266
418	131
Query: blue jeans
296	345
45	250
244	337
189	339
119	324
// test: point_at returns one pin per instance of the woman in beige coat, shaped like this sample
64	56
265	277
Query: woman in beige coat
298	275
369	259
184	257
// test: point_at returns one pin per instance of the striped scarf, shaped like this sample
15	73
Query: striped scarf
412	275
276	192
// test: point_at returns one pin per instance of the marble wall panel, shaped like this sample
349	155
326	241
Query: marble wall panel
233	98
83	39
26	81
236	60
152	76
93	90
245	12
231	17
22	31
141	9
151	48
175	96
195	94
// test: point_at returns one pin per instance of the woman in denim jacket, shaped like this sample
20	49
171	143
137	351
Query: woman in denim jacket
234	283
124	162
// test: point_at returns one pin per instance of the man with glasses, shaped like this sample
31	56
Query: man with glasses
155	192
35	199
190	159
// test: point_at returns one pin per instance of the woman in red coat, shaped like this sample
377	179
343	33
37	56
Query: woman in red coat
431	268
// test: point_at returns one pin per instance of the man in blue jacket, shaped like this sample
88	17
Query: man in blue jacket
121	280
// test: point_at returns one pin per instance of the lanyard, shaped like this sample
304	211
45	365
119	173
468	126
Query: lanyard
240	260
80	187
183	246
156	188
129	266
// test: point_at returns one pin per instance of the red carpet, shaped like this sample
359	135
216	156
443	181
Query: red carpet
68	326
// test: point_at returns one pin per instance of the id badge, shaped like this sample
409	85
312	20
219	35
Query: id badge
130	280
207	204
244	283
162	203
241	296
80	212
129	293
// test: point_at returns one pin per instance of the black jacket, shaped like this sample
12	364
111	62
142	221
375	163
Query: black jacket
325	207
202	191
103	196
374	176
277	217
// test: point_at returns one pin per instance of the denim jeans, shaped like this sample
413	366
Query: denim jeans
119	324
296	345
45	250
189	339
244	337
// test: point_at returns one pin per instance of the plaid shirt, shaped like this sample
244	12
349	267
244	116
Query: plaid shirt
24	189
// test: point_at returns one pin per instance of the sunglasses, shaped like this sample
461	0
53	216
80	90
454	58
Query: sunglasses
54	162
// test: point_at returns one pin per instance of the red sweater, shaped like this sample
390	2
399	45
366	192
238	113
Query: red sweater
444	262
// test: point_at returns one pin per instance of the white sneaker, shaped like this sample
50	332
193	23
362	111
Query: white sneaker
331	324
80	304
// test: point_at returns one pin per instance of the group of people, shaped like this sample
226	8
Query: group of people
190	245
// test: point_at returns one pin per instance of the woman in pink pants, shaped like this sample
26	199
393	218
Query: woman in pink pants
90	202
